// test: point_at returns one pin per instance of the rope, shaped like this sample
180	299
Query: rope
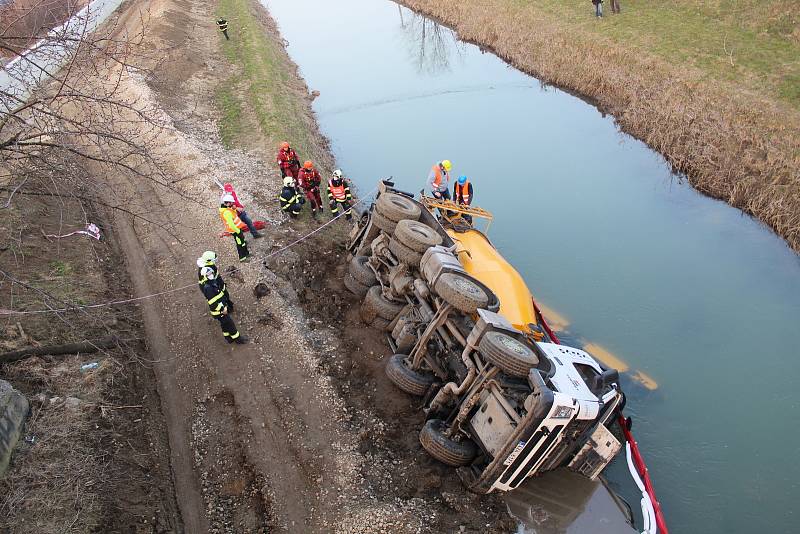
4	312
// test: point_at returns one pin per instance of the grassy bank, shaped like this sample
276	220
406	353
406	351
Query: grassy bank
263	101
710	84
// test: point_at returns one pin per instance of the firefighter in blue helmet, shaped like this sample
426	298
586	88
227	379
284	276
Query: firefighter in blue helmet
462	194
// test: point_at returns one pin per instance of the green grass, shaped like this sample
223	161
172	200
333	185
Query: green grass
262	85
231	109
60	268
755	44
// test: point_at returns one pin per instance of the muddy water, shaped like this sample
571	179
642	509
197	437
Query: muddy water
686	289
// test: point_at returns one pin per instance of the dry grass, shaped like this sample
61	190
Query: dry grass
733	142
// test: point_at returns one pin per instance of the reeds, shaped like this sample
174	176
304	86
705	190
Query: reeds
732	144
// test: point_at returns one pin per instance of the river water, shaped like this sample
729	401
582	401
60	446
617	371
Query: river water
703	299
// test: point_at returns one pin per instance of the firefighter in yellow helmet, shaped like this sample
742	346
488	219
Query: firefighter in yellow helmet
439	179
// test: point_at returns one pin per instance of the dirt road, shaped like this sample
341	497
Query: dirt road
298	431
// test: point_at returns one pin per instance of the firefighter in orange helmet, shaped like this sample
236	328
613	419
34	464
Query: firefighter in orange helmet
288	161
310	181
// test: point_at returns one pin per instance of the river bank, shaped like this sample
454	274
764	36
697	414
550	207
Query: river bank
733	141
299	429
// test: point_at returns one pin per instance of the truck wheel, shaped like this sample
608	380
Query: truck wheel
444	449
397	207
416	236
387	225
361	272
458	290
379	323
404	254
356	288
383	308
411	381
509	354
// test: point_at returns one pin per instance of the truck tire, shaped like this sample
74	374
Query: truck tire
444	449
411	381
458	290
509	354
379	323
397	207
361	272
404	254
367	312
387	225
416	236
355	287
383	308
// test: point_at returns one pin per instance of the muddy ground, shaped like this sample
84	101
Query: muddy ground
298	431
94	457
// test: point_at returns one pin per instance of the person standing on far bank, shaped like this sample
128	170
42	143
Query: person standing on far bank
223	27
598	8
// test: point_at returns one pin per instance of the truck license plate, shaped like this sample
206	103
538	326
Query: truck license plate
514	453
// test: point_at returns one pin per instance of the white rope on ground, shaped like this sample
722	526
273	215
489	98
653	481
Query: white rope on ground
4	312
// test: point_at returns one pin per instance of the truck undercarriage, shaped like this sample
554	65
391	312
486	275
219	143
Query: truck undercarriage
502	401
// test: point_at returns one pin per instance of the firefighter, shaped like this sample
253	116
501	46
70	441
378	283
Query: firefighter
219	302
290	199
339	195
208	259
288	161
228	188
310	181
462	194
223	27
234	225
439	179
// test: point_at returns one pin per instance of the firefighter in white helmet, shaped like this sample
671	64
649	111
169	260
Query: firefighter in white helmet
234	225
219	301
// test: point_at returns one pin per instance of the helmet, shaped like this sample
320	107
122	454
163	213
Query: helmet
308	165
447	164
208	272
285	146
209	257
288	181
337	174
227	197
462	180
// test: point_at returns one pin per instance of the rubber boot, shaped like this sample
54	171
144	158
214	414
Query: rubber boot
257	235
242	340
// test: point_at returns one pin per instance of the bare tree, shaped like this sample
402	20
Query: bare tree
430	43
63	103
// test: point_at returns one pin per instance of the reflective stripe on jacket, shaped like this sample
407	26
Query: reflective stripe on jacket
339	193
309	179
230	218
216	296
462	194
439	179
223	24
288	198
287	158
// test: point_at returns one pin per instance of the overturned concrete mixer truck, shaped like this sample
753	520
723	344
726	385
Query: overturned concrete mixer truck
502	401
